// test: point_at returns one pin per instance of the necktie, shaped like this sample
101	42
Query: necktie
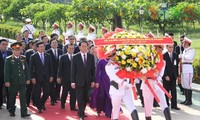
55	54
171	57
42	58
84	59
70	57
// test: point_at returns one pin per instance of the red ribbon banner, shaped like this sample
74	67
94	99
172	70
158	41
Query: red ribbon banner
132	41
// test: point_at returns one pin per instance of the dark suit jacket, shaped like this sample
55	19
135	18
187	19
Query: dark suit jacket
55	61
48	46
28	54
76	49
171	69
178	49
38	70
83	75
64	69
2	66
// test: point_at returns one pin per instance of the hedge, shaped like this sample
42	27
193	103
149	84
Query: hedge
9	31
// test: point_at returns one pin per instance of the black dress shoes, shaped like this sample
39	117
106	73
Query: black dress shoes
52	103
43	107
39	110
62	106
176	108
74	109
12	114
25	115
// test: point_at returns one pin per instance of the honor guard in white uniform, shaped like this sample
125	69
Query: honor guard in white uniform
91	35
104	30
187	70
55	30
120	90
81	33
148	96
31	29
69	32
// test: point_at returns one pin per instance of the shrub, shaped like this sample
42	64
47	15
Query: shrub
196	78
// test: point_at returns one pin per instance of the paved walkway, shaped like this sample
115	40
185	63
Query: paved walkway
186	113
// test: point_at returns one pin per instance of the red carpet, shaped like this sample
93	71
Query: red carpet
56	113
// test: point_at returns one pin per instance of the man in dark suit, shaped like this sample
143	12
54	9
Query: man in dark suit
3	54
26	38
82	76
42	75
29	87
175	43
53	36
64	73
179	50
72	40
170	75
55	53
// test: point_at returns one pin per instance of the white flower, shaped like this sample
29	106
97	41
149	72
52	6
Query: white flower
118	52
128	69
149	68
144	70
136	59
124	57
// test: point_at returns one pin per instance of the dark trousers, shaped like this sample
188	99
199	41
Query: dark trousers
53	91
1	94
13	90
82	98
139	92
170	86
67	88
29	94
58	86
41	85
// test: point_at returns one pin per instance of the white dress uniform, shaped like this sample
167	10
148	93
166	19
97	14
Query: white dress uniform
80	35
68	33
148	96
31	29
120	92
187	68
91	36
56	31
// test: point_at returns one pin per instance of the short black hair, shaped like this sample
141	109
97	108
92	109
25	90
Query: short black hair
69	45
3	40
82	42
171	34
83	39
43	37
39	43
52	40
182	36
71	36
91	46
26	31
53	35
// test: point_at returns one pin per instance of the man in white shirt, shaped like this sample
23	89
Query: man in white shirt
81	33
31	29
91	35
68	33
55	29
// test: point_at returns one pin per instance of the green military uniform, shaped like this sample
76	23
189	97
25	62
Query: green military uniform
17	73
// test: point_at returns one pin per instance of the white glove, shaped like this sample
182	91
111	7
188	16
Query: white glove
180	55
126	84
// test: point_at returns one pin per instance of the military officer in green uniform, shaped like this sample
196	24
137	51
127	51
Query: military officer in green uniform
16	75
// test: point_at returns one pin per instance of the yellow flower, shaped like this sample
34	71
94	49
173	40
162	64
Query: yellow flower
121	53
141	60
134	65
121	46
116	58
133	54
128	60
123	62
127	52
